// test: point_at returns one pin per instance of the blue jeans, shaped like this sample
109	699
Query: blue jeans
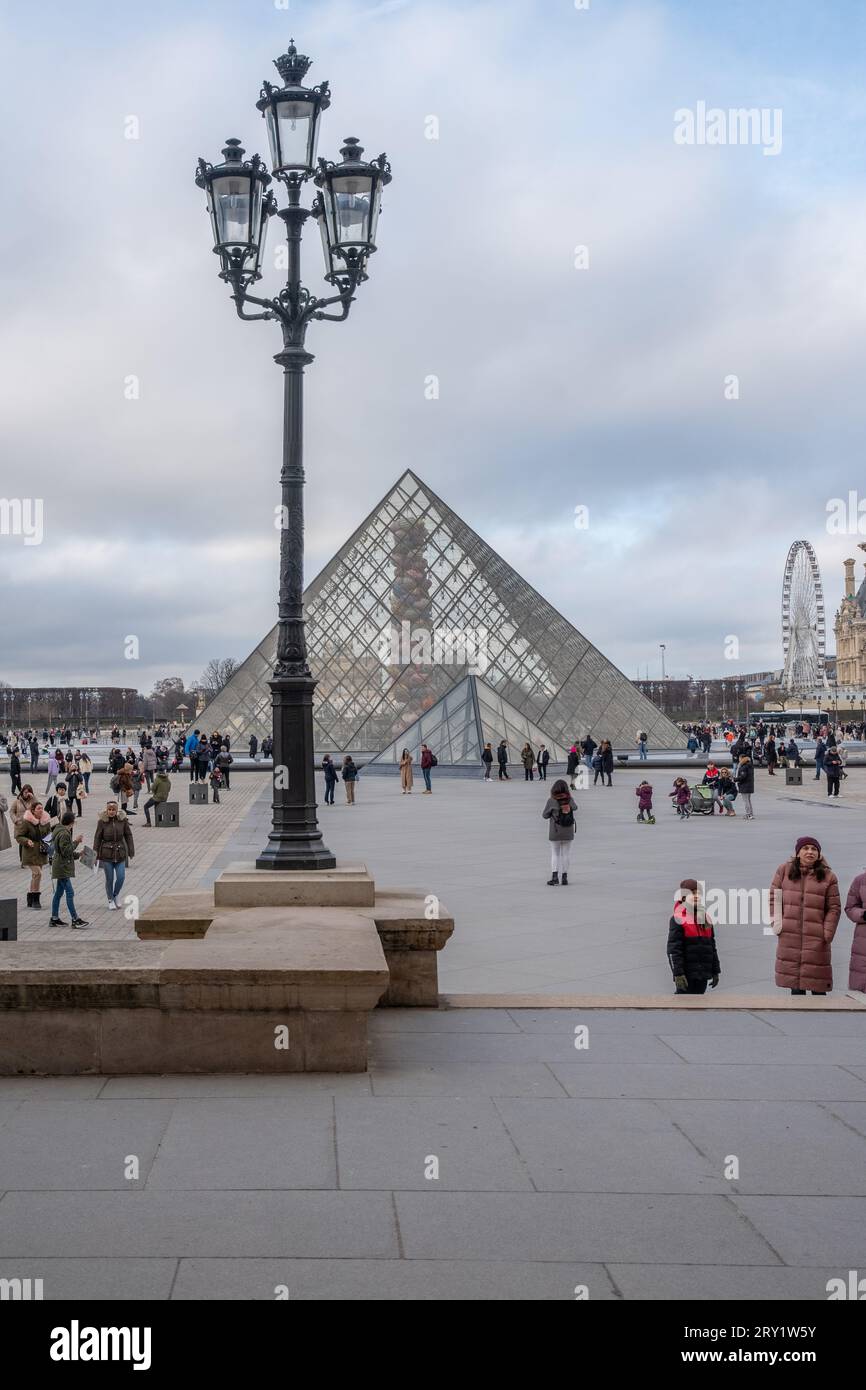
114	876
61	886
642	747
819	768
426	774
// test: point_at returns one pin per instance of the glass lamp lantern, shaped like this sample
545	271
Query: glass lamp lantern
335	263
292	113
352	196
239	208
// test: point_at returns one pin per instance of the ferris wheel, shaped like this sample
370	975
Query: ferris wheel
803	629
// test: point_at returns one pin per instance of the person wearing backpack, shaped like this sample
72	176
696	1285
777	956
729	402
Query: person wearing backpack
350	777
428	761
331	778
224	762
63	871
559	811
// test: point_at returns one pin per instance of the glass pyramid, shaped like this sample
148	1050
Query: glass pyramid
458	726
416	615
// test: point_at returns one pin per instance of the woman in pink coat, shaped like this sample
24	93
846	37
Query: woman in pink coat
855	908
806	919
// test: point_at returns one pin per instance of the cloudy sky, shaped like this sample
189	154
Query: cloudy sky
560	385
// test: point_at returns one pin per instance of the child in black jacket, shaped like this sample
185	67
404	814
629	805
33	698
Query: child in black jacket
692	953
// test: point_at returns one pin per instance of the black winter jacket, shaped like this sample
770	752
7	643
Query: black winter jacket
692	950
745	776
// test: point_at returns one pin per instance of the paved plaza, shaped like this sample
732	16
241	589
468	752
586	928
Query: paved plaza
482	848
482	1157
489	1152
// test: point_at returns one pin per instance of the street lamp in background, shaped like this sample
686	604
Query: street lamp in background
662	650
346	208
706	704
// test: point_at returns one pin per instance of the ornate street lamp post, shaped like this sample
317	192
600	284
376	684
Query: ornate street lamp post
346	208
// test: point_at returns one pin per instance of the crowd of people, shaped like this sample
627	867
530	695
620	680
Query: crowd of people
805	899
43	827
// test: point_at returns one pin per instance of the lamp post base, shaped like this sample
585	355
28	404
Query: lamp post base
281	855
295	840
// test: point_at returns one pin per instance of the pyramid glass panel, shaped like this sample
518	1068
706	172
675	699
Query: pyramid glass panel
408	610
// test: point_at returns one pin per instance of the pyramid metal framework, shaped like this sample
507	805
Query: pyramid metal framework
417	630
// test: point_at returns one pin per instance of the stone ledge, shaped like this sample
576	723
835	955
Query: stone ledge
209	1005
119	1042
409	938
848	1001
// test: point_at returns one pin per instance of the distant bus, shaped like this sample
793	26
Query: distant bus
812	716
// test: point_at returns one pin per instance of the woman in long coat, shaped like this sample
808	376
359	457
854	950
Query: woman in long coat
30	833
855	909
5	837
406	776
806	919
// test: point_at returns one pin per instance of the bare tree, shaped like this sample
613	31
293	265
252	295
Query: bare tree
215	675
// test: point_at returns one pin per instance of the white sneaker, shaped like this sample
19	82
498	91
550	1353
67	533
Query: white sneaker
112	906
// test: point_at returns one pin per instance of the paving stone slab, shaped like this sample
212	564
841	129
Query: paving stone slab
586	1228
835	1024
852	1113
437	1281
605	1146
383	1021
782	1049
751	1283
389	1142
186	1087
781	1146
406	1049
647	1021
282	1224
113	1280
699	1081
459	1079
255	1143
811	1230
73	1147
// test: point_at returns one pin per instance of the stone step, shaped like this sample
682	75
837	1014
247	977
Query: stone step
243	885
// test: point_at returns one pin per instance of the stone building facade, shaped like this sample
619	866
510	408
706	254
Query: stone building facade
850	628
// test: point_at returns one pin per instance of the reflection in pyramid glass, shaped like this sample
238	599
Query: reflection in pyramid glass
416	604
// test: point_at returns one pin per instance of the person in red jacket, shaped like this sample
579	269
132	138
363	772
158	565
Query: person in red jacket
692	953
428	761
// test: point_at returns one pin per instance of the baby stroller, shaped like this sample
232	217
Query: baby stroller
702	801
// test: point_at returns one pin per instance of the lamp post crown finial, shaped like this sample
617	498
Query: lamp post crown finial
233	152
351	150
293	66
